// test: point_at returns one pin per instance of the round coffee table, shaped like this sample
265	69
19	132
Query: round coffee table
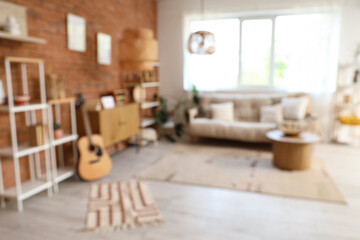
292	152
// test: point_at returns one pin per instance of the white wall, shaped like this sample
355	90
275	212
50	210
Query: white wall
171	36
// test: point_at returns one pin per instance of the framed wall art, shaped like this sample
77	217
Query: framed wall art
103	49
76	33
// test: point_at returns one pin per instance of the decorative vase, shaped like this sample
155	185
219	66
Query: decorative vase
58	133
12	26
20	100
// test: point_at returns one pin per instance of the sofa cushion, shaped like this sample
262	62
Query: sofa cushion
243	131
222	111
271	114
295	108
246	106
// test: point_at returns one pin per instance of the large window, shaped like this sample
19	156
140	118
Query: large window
290	52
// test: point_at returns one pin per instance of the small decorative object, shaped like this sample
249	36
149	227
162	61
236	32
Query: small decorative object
356	76
21	99
202	42
58	132
76	31
55	86
119	96
357	54
146	76
12	26
139	94
152	76
347	98
93	104
2	93
37	135
107	102
149	134
292	128
103	48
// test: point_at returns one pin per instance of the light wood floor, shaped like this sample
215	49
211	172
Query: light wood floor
194	212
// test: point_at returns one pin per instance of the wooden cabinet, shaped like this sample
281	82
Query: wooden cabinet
114	125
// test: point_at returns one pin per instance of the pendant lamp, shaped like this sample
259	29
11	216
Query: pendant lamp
138	48
201	42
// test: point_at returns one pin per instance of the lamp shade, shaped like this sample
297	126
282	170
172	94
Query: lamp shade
201	42
138	49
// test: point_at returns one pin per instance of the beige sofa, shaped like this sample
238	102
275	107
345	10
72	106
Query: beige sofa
246	125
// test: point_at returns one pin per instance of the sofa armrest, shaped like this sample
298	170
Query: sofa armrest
193	112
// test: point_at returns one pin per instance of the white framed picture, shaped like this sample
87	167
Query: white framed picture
103	48
76	33
2	93
107	102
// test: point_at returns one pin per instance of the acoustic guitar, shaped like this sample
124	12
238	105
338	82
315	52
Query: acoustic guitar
94	162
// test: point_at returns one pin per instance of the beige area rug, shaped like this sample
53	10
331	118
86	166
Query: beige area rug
240	169
120	205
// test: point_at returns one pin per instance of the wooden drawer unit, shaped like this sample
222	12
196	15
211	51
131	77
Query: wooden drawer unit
114	125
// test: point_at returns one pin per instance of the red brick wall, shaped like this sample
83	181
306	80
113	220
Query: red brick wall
47	19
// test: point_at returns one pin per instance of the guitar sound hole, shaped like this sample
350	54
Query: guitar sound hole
97	149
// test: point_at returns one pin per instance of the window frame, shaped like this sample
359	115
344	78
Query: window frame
272	18
272	15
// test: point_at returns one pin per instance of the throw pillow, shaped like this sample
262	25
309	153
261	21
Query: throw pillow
294	108
271	114
222	111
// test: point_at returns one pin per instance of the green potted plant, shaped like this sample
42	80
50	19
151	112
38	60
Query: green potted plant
58	132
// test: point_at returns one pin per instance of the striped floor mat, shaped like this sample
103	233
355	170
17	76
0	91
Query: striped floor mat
120	205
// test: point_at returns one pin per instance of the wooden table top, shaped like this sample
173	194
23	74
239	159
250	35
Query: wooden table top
302	138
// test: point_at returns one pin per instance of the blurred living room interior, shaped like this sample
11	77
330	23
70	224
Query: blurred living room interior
179	119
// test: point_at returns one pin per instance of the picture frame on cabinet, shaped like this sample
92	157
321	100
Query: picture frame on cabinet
107	102
2	93
103	48
76	33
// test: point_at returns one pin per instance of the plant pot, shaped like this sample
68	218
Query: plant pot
20	100
58	133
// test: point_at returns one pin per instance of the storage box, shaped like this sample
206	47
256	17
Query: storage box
55	87
37	135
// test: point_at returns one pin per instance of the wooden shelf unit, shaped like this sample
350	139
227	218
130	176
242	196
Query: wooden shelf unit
136	78
38	182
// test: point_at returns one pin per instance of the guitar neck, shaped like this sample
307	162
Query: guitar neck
86	123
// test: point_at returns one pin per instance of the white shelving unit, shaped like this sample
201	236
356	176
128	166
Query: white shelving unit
38	182
62	172
347	86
